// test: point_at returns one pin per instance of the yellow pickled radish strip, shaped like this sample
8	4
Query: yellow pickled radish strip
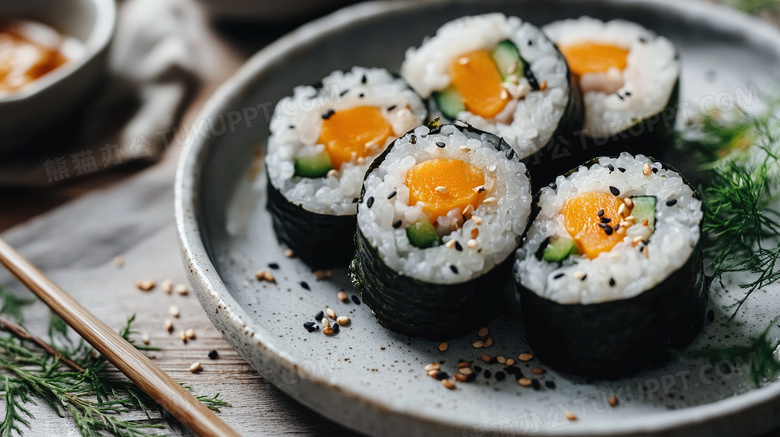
445	184
585	223
588	57
354	133
477	79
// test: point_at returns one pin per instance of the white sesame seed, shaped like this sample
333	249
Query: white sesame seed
342	296
492	168
432	366
613	401
509	361
525	357
504	94
464	149
433	372
260	275
622	210
468	209
325	322
183	336
196	367
490	200
288	253
464	364
472	244
628	202
477	221
190	333
332	173
485	357
443	346
463	61
182	290
331	313
167	286
343	320
328	331
449	384
145	285
570	416
450	244
361	160
323	274
169	325
174	310
501	359
646	170
145	338
579	274
512	68
441	189
488	342
465	370
630	218
478	344
119	261
483	331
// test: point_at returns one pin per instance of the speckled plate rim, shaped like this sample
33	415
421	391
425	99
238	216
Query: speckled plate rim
283	369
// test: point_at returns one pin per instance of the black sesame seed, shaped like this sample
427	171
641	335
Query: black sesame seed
413	139
710	315
391	195
536	384
500	376
601	213
458	247
308	325
627	93
510	154
463	216
655	170
314	328
471	377
608	230
605	219
493	360
335	327
642	39
454	269
397	224
213	354
328	114
343	93
614	191
584	277
355	299
361	95
558	276
512	370
442	375
549	384
319	315
617	226
391	107
477	369
481	189
370	202
488	373
305	285
274	266
435	130
530	42
621	169
619	96
553	185
355	200
611	282
440	144
292	126
603	226
363	79
671	202
611	167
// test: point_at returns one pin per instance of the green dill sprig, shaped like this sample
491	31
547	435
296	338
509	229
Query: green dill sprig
97	403
742	180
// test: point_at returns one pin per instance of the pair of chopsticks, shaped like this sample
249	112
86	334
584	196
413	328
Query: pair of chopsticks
136	366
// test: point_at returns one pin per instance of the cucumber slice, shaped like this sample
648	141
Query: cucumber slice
644	208
313	166
505	54
449	102
422	234
559	248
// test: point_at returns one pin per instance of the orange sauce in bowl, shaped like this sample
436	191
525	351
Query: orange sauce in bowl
28	51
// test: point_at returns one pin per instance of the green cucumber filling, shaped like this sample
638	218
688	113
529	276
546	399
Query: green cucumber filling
449	102
508	60
559	248
313	166
422	234
644	208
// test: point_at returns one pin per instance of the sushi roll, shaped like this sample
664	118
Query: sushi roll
504	76
610	274
440	216
629	77
322	141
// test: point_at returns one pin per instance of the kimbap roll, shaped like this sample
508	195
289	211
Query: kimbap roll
629	77
504	76
322	141
441	214
610	274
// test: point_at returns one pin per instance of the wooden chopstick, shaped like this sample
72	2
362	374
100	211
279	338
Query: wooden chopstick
136	366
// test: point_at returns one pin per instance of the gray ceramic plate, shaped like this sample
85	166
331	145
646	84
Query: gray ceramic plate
373	380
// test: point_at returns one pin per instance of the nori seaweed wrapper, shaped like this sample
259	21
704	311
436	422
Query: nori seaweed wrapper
621	337
320	240
417	308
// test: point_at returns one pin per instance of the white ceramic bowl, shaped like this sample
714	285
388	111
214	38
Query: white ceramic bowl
38	106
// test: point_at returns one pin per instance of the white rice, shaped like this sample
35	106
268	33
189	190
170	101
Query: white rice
672	242
503	221
296	125
616	100
531	117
